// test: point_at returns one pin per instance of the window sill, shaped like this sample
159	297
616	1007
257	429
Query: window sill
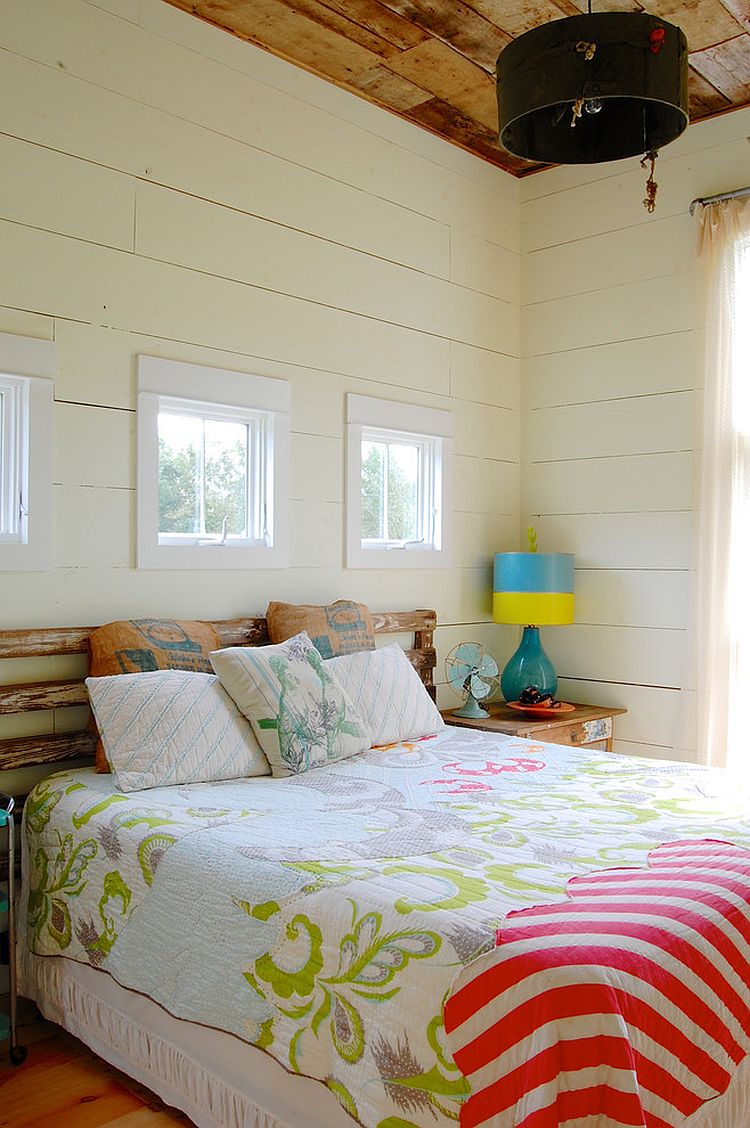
211	557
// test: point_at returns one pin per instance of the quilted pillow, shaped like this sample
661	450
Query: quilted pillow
133	646
170	727
387	691
301	716
342	627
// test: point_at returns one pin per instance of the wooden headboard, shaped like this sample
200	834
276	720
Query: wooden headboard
54	642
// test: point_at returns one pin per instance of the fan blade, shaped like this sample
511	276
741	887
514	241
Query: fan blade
469	653
478	688
488	666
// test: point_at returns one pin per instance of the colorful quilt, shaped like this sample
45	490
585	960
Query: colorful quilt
327	917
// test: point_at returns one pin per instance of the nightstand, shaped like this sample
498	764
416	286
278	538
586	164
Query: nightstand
589	726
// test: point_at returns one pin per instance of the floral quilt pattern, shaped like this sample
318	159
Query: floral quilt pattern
324	917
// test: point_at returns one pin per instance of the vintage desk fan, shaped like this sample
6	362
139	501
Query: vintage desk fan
473	675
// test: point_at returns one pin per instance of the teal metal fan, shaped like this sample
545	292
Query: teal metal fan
473	675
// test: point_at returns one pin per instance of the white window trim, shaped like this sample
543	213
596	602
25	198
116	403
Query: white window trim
364	413
32	361
212	388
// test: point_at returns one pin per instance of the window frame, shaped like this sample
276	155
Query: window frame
27	367
370	419
214	393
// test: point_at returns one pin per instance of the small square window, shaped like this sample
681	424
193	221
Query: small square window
210	473
398	470
26	405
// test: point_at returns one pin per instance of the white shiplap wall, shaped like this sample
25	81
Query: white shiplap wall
612	348
168	189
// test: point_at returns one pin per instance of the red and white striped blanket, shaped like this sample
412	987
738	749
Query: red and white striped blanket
629	1003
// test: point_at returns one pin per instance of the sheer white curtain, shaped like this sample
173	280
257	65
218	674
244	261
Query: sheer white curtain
722	629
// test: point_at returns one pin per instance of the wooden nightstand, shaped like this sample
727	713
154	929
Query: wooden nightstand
589	725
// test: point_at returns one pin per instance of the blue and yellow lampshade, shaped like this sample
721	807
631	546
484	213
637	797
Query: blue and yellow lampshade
532	589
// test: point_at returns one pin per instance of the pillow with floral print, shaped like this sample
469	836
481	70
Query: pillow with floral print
300	714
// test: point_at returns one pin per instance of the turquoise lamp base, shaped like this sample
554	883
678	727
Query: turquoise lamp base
528	666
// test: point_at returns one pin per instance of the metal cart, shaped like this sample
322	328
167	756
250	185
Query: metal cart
9	1023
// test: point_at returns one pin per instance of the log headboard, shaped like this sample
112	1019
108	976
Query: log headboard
54	642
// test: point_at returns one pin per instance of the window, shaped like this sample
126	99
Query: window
398	469
26	406
212	467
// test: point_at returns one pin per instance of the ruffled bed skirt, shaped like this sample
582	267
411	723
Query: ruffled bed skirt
219	1081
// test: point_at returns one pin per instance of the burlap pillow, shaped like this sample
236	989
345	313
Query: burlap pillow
136	646
343	627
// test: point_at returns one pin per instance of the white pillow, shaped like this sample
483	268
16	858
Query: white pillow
172	726
387	691
300	714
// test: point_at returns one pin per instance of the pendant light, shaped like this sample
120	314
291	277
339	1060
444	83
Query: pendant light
593	88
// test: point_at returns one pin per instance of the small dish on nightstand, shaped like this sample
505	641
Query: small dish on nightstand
541	710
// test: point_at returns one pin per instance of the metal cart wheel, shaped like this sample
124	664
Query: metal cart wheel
7	803
18	1055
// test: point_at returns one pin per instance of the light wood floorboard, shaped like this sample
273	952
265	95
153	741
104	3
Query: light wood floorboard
62	1084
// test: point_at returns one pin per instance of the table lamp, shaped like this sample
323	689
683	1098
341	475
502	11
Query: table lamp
532	589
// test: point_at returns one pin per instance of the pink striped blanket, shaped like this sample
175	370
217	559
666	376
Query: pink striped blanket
629	1003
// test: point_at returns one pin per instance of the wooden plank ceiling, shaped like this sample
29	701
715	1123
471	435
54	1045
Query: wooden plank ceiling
433	61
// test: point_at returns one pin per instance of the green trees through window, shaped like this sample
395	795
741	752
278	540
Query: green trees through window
390	473
203	476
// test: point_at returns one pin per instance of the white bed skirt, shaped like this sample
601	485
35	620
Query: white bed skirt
219	1081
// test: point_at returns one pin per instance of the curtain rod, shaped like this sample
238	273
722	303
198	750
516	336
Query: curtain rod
717	199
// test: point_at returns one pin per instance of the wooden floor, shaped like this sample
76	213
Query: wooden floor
63	1085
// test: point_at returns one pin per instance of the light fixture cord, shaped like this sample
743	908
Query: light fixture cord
649	200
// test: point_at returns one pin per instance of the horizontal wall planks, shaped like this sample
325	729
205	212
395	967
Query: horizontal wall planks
485	485
637	309
173	81
481	265
643	367
629	484
292	263
621	540
115	288
59	193
580	210
638	655
630	426
612	258
477	536
158	147
94	446
632	597
482	431
485	377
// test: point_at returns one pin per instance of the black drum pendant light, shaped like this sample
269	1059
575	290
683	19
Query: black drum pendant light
593	88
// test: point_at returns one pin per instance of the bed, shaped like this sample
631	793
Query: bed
308	950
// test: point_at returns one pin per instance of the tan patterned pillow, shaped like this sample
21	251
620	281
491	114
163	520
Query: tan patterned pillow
136	646
343	627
